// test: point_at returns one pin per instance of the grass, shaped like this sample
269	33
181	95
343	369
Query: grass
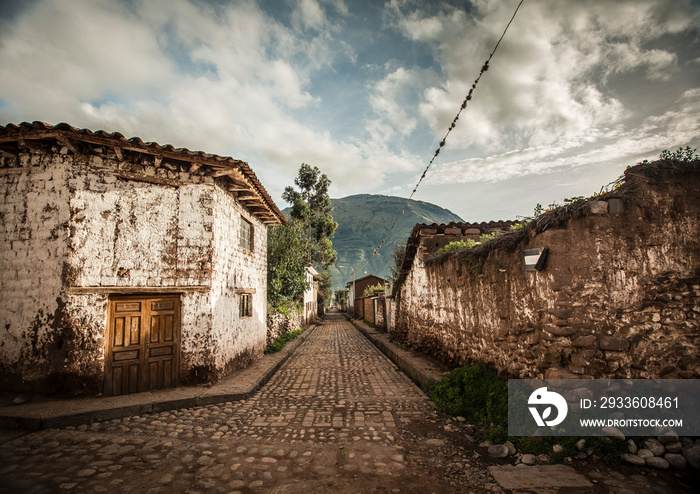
371	325
282	340
477	394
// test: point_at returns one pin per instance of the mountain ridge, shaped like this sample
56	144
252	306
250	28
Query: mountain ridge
363	221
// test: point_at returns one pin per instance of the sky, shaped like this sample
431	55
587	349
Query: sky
366	89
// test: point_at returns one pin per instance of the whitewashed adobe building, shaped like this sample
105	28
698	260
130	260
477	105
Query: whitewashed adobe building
311	295
126	266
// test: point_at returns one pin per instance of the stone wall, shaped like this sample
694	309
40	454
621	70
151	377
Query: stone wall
279	324
619	295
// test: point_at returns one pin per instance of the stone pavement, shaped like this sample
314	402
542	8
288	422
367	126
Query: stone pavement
418	366
43	413
337	416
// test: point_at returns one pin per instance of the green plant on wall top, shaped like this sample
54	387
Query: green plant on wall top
683	155
456	245
371	290
488	236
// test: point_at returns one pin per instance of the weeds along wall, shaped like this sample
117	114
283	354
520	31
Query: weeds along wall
619	295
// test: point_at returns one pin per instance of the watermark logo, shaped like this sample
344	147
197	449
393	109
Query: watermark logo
543	397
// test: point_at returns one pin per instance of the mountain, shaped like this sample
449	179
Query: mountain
364	220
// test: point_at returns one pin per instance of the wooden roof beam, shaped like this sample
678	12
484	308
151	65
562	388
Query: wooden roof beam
227	172
64	141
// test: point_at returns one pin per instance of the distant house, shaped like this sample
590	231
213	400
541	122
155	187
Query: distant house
311	295
355	290
127	266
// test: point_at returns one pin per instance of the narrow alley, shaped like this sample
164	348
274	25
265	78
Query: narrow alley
337	417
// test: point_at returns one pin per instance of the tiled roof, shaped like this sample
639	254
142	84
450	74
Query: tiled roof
365	277
483	226
422	229
218	165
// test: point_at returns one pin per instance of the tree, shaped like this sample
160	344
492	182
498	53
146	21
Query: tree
340	296
311	205
325	291
397	260
287	248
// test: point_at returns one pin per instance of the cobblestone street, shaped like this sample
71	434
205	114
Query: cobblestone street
337	417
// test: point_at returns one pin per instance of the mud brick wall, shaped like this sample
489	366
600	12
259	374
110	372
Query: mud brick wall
35	324
619	296
237	341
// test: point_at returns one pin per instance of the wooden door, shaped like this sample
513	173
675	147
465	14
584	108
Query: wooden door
142	345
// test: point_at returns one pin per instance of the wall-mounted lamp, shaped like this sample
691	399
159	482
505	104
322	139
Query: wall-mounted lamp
535	259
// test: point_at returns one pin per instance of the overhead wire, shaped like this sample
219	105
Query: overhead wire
468	97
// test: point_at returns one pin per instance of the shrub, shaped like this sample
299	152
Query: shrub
371	290
488	236
285	307
459	244
282	340
475	393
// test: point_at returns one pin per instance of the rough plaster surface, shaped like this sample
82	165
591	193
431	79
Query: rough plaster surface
238	340
619	297
65	221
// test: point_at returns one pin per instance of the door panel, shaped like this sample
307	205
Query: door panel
143	342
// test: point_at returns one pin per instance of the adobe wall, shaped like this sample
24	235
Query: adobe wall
237	341
619	296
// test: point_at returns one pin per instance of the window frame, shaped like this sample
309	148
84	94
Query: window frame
246	234
245	305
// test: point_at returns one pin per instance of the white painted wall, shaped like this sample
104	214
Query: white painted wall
62	225
237	341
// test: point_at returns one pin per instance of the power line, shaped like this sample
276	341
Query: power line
468	97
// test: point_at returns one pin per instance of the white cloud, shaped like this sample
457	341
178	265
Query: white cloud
547	79
309	14
65	53
393	98
232	79
114	69
680	126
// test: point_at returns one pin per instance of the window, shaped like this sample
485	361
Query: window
245	308
246	234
